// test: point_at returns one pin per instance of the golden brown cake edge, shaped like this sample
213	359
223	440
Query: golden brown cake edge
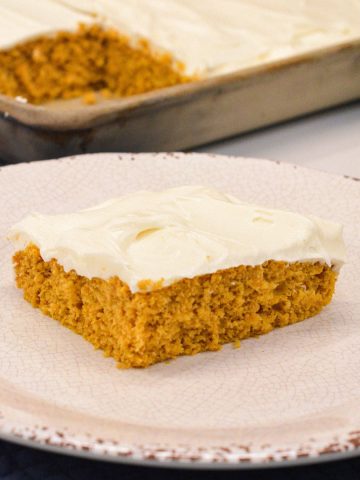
91	59
190	316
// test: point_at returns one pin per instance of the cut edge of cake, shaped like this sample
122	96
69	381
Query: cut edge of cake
190	316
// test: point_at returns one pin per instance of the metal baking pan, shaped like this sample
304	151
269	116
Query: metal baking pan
184	116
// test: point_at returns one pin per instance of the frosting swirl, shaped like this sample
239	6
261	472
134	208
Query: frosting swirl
177	233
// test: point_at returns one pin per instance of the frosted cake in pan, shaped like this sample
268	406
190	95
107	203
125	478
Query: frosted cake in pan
69	48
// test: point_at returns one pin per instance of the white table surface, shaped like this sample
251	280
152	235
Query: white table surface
327	141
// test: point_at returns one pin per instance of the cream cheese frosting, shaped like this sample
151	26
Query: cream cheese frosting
22	19
210	37
178	233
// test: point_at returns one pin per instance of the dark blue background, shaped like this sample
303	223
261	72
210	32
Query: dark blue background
20	463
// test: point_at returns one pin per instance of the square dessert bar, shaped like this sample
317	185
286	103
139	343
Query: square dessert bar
158	275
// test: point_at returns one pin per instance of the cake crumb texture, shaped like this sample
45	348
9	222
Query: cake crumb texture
185	318
76	64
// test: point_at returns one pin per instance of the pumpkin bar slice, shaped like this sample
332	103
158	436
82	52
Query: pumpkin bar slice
153	275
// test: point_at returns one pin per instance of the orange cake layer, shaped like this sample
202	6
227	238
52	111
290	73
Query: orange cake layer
92	59
187	317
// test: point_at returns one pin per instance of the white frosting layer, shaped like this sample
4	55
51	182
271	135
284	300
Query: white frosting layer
24	19
209	36
178	233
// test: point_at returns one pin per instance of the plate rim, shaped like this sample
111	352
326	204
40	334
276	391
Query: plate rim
299	461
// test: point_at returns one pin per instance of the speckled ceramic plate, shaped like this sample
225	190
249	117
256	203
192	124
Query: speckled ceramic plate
290	396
